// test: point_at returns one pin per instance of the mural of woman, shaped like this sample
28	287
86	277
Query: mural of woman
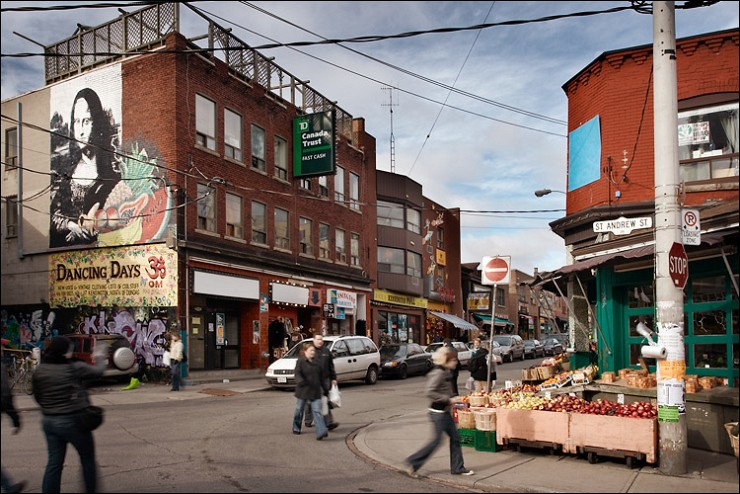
85	172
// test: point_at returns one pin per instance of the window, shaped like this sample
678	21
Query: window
354	191
440	238
306	230
339	248
259	223
323	186
413	264
282	230
708	142
323	241
391	260
205	122
206	208
413	220
354	249
11	216
234	223
500	297
339	185
232	135
390	214
305	183
281	159
258	148
11	148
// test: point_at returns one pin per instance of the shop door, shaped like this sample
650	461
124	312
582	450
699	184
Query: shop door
196	342
222	341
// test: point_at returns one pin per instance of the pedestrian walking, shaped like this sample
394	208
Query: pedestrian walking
439	390
176	357
456	371
478	366
8	407
325	360
60	391
308	388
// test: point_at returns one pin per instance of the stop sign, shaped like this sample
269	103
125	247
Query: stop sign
495	270
678	265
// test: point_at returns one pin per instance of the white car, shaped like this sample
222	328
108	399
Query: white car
463	352
355	358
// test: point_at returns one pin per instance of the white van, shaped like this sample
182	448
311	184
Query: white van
355	358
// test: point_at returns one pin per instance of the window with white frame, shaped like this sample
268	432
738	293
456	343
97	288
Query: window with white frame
305	183
354	250
259	223
390	214
206	208
282	229
232	135
354	191
324	243
413	220
413	264
339	247
391	260
234	221
281	158
11	216
258	148
305	226
440	238
708	142
205	122
11	148
323	186
339	185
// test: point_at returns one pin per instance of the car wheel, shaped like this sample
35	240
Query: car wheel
403	372
123	358
372	375
522	356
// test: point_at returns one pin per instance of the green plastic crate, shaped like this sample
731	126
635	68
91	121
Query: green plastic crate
485	441
467	437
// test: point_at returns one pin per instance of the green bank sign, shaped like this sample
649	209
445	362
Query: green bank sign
313	145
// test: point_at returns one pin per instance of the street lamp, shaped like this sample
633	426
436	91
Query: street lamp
544	192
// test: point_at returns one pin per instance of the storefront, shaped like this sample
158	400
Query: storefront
398	318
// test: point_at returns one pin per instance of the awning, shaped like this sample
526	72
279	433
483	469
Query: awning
499	321
456	321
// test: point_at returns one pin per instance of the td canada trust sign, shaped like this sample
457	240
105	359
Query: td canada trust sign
313	145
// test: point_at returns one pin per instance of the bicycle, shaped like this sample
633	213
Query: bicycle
23	375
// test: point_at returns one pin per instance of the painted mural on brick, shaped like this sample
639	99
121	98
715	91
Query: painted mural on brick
104	192
134	276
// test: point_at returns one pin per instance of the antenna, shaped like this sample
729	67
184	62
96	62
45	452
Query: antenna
393	139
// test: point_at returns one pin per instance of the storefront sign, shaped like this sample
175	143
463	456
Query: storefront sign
479	301
126	276
397	298
342	298
313	145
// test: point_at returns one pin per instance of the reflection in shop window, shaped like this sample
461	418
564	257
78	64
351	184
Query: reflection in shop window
648	321
710	322
641	296
708	289
710	356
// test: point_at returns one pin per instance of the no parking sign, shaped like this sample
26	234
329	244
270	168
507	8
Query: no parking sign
690	227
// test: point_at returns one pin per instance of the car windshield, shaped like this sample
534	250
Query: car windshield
529	343
390	351
503	340
295	351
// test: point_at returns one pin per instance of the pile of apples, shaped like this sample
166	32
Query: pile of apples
573	404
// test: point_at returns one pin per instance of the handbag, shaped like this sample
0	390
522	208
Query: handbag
91	417
166	360
470	384
335	397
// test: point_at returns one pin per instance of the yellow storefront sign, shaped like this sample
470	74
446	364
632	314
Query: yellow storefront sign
397	298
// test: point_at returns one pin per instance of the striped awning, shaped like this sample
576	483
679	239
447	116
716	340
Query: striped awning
456	321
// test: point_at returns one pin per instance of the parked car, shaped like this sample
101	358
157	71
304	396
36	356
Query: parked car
533	349
355	358
512	346
487	344
404	359
553	346
121	357
463	352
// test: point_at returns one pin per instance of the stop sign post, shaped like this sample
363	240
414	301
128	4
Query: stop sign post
678	265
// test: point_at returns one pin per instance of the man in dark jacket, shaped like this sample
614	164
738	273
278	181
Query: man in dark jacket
308	389
329	378
8	407
478	367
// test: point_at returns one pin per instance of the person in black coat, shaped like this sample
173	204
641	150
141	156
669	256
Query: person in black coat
329	379
309	389
478	366
456	371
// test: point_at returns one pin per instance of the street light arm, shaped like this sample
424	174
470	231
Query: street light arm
544	192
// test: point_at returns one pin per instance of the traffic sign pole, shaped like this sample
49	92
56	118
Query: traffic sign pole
490	341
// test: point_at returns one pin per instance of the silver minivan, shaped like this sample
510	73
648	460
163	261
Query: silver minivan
355	358
512	346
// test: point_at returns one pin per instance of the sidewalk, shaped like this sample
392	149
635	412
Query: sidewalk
390	441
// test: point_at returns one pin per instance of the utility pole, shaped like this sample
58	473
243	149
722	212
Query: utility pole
393	139
669	307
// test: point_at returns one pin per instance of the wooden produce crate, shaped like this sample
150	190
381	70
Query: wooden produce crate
547	371
532	428
621	437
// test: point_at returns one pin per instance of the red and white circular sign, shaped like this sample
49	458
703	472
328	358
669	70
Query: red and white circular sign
495	270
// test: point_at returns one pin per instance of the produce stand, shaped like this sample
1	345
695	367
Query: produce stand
532	428
618	437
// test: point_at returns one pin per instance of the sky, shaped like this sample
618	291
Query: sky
478	117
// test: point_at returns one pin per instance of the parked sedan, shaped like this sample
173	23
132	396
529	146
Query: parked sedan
553	347
404	359
533	349
463	352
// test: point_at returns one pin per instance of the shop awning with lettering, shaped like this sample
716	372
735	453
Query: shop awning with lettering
456	321
499	321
